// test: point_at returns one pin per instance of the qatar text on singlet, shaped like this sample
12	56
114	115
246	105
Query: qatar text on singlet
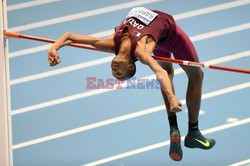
143	14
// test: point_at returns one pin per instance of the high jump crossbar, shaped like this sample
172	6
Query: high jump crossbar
177	61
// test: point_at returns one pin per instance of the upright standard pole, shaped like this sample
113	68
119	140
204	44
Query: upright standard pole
6	154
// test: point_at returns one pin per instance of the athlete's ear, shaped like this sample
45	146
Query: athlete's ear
131	66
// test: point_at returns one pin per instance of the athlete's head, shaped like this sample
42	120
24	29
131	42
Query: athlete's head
123	66
123	69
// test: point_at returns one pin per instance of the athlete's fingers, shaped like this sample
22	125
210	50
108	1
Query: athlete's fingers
54	62
58	59
53	57
175	105
51	63
176	109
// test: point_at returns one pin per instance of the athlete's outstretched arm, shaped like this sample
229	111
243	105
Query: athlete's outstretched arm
68	38
143	51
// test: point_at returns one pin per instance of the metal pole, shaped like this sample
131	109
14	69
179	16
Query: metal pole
6	154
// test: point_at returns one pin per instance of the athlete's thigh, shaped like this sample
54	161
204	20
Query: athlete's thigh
184	48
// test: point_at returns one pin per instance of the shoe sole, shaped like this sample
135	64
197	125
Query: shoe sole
175	139
175	144
175	156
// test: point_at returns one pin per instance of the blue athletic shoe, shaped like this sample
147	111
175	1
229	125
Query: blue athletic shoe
195	139
175	151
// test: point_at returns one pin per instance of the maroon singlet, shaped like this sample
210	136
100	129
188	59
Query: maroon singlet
168	36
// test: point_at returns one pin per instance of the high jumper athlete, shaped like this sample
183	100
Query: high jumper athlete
144	32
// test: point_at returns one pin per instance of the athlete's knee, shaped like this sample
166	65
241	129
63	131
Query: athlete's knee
197	76
194	74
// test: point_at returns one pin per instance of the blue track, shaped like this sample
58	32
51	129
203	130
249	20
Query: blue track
88	146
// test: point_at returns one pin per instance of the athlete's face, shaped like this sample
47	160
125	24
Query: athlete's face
120	68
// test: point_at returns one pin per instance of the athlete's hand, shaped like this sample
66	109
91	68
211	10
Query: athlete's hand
175	104
53	57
